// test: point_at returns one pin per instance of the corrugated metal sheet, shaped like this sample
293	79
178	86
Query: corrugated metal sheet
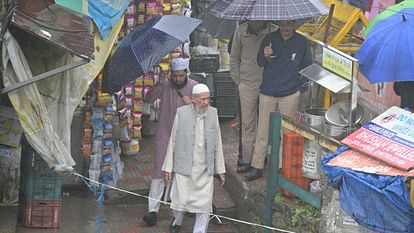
56	25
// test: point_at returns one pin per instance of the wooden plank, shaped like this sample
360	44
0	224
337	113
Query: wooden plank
272	167
304	195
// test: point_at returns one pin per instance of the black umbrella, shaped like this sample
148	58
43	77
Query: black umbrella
144	47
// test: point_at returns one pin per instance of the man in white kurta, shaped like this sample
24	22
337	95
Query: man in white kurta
193	182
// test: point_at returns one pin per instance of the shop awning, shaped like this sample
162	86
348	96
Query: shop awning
55	25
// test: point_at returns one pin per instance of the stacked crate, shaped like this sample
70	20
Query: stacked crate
292	161
41	187
226	95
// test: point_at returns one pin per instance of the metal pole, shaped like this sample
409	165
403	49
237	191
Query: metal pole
272	166
42	76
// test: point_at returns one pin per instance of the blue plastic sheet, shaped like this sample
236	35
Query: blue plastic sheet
380	203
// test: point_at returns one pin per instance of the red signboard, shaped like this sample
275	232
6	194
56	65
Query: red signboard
361	162
389	137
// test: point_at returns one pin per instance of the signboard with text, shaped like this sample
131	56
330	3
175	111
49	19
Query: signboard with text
337	63
389	137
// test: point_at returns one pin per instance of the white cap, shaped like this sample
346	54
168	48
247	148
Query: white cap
200	88
179	63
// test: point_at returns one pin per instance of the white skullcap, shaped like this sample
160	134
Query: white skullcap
200	88
179	63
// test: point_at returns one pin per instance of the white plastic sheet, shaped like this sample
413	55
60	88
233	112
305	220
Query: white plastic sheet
46	107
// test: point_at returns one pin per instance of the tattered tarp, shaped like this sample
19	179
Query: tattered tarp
105	13
46	108
380	203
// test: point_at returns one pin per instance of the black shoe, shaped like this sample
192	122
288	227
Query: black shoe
245	167
174	228
253	174
151	218
239	162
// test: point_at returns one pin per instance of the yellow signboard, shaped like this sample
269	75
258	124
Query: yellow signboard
337	63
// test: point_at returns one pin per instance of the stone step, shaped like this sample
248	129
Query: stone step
222	203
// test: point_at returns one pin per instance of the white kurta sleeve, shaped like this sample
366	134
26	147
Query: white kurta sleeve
219	165
169	155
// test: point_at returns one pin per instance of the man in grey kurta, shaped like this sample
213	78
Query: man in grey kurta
194	154
169	92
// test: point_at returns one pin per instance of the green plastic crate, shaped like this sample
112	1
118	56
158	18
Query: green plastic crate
39	182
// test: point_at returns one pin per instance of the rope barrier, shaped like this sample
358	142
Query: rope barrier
217	216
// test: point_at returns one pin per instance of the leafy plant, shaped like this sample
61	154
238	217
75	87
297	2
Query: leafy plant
257	229
278	198
194	53
304	211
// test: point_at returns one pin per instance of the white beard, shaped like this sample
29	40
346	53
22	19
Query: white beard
199	110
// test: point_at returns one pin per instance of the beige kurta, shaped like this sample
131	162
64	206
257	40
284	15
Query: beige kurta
194	193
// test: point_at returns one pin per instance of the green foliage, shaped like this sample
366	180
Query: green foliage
194	53
304	211
278	198
257	229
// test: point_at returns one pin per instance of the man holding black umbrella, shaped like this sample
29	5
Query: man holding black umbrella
173	93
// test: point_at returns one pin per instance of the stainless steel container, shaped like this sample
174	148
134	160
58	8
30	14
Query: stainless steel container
337	132
315	117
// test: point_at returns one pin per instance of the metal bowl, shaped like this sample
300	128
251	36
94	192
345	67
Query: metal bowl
315	117
338	114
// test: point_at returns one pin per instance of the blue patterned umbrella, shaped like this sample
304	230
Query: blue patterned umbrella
268	9
144	47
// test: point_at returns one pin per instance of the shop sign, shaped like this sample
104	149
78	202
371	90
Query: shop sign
357	161
389	137
337	63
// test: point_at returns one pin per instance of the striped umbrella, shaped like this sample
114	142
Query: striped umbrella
268	9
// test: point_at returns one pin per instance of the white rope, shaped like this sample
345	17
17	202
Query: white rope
166	203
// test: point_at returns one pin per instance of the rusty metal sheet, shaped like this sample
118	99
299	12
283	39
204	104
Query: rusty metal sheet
56	25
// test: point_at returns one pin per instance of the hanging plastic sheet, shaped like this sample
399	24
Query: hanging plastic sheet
46	118
105	13
380	203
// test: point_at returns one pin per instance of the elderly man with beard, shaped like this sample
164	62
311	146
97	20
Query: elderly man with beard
173	93
194	154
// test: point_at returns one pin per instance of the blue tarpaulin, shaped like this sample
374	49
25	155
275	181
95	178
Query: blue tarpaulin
105	13
380	203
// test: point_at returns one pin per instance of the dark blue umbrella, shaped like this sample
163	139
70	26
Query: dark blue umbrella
144	47
387	54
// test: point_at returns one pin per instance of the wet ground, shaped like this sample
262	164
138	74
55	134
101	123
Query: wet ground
122	212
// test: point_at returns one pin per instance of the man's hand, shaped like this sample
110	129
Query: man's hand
222	178
186	100
268	51
168	177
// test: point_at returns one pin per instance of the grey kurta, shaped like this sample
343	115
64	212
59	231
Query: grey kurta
194	193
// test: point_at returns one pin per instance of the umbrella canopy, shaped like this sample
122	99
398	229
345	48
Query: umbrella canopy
389	11
144	47
387	54
218	28
268	9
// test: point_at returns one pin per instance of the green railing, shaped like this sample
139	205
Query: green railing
274	179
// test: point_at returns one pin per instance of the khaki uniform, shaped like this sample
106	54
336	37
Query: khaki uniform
248	76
